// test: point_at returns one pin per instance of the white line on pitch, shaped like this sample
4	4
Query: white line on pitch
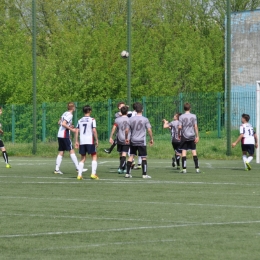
127	229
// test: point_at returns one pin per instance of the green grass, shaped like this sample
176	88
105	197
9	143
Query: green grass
207	148
212	215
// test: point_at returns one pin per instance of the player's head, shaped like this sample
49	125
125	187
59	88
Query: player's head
139	107
87	109
120	104
124	110
71	106
176	116
245	118
187	107
134	105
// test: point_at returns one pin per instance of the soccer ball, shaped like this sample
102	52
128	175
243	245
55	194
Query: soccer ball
124	54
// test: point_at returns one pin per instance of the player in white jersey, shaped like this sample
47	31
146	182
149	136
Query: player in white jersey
2	146
189	136
173	126
86	130
249	141
64	140
120	124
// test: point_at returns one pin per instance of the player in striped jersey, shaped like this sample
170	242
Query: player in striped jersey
2	146
249	141
86	130
173	126
64	140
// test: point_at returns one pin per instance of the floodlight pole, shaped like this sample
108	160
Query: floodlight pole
228	76
129	14
34	149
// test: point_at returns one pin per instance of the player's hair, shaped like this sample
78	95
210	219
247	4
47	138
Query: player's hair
246	117
120	103
134	105
124	110
187	106
71	105
178	115
138	107
86	109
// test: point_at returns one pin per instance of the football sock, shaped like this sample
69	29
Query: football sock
244	158
5	155
139	160
122	162
183	162
58	162
144	167
94	167
80	169
196	161
249	159
177	157
74	159
128	167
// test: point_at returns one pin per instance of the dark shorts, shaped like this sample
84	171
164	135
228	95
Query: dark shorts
176	147
122	148
64	144
1	144
187	145
141	150
87	149
249	148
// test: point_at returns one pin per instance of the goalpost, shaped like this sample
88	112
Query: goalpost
258	119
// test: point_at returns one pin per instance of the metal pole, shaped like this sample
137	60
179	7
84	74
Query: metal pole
129	14
34	150
228	76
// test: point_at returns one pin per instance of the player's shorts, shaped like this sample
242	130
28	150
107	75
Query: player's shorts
87	149
176	147
250	148
122	148
1	144
187	145
140	149
65	144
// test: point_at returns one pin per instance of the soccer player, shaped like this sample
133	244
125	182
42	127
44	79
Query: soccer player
2	146
173	126
138	127
117	114
86	128
189	136
64	140
121	123
249	141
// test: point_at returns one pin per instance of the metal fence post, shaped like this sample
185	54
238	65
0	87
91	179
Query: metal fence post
219	114
144	105
13	123
43	122
109	108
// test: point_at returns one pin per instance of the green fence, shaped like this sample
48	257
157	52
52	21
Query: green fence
209	108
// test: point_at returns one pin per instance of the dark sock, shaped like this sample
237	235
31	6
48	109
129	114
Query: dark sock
183	160
144	167
5	155
128	167
177	157
122	162
196	161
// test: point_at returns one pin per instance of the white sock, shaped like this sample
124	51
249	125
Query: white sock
58	162
139	160
244	157
94	167
74	159
249	159
80	168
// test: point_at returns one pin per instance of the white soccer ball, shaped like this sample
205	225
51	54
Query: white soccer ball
124	54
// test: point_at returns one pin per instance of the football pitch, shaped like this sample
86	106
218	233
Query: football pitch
211	215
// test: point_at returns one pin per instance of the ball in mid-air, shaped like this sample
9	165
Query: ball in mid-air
124	54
